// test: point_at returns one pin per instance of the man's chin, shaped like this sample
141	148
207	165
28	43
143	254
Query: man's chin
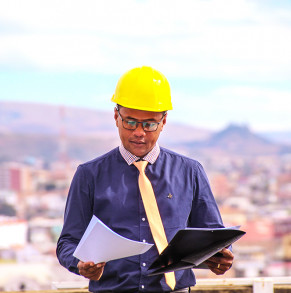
139	151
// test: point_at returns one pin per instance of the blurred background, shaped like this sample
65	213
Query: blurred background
229	67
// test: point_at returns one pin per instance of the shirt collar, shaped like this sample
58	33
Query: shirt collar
151	157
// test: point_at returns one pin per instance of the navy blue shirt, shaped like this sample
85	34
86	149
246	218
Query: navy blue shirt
108	188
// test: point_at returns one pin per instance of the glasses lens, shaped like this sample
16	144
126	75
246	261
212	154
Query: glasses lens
150	126
129	124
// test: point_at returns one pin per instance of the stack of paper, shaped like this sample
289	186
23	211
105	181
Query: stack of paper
101	244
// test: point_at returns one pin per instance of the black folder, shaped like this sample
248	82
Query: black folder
190	247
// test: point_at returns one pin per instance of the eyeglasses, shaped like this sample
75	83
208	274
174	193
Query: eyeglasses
147	126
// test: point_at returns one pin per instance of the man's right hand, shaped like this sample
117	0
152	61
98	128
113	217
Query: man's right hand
90	270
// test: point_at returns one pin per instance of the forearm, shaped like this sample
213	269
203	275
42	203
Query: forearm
65	250
77	216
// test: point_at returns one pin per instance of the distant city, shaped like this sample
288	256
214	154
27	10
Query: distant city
41	146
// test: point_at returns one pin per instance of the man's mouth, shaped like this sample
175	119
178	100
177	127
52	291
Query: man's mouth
138	142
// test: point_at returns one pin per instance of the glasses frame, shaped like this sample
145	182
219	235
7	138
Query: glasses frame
141	122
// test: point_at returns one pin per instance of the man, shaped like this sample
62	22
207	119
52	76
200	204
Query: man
109	188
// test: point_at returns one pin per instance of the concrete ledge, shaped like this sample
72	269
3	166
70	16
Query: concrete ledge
227	285
196	289
244	285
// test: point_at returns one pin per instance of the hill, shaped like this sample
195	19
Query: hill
241	140
49	131
41	130
32	118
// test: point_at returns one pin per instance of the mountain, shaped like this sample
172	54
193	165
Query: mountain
241	140
47	131
33	118
238	140
42	130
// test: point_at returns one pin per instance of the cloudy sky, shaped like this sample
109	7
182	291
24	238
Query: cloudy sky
228	61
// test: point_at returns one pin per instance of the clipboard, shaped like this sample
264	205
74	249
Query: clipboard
190	247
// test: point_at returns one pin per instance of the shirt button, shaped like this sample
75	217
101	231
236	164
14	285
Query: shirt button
144	264
143	219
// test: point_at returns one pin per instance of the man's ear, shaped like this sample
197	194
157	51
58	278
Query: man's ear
116	116
164	121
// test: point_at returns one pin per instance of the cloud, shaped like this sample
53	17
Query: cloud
262	108
239	50
230	39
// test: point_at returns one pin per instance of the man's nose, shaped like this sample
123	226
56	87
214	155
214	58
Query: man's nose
139	130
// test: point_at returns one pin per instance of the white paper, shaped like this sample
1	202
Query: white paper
100	244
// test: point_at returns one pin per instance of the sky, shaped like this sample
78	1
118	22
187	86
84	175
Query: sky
227	61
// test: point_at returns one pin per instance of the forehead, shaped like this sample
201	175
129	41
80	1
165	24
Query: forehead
139	114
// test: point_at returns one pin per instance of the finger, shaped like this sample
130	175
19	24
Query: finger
88	270
84	265
211	264
218	270
227	253
226	258
91	271
84	270
96	275
96	267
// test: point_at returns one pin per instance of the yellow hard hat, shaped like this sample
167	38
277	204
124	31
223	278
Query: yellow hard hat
143	88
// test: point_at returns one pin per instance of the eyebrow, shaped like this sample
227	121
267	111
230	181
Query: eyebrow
144	120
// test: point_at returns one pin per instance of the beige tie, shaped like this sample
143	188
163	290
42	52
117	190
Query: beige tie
153	215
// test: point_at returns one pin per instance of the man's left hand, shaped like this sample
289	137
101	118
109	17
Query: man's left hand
220	264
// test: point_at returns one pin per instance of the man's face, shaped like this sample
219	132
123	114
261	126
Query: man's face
138	141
